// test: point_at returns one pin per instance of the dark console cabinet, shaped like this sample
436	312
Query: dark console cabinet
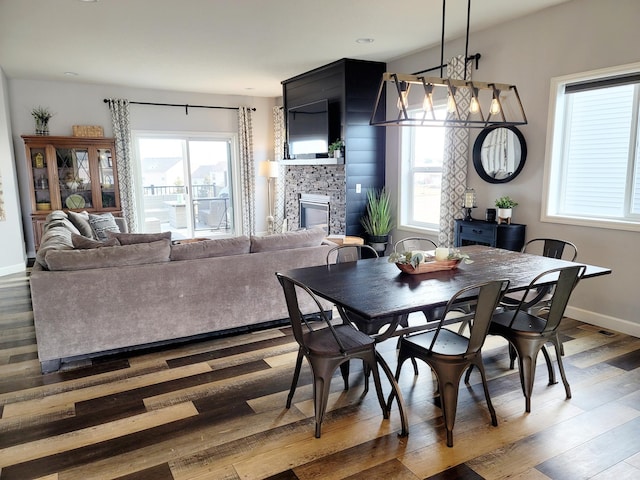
478	232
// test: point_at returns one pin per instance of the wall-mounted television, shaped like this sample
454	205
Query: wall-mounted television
308	130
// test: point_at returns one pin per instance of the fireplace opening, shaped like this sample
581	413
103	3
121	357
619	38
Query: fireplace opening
314	211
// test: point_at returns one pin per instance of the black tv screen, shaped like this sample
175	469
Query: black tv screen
308	130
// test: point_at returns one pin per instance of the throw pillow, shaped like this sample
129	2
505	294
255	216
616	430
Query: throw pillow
210	248
285	241
81	222
101	224
133	238
125	255
83	243
53	239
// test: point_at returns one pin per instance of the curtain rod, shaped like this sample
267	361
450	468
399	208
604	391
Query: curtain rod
475	57
186	106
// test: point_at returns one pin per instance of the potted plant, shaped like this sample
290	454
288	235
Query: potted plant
335	149
377	222
41	116
505	206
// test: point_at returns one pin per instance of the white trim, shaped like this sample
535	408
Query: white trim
605	321
11	269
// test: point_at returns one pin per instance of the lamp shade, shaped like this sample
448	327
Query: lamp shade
269	169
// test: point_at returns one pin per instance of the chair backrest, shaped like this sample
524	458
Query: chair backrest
552	247
291	288
414	243
350	253
489	295
562	281
567	280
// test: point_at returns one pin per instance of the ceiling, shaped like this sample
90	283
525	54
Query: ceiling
232	47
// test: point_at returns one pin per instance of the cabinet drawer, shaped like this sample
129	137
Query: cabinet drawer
479	233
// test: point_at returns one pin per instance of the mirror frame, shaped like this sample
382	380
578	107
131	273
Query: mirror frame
477	154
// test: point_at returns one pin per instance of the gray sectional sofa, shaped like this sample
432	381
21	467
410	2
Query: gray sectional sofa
90	299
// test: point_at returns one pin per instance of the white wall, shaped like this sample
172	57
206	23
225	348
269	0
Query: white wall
82	104
573	37
12	254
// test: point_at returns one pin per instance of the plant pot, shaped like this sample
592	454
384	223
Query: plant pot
42	127
378	242
504	215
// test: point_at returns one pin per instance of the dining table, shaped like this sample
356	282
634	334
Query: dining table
377	291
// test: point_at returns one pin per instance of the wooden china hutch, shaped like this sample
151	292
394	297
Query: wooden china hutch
70	173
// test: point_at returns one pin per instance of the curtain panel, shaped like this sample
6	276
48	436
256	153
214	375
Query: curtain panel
122	133
278	153
454	165
247	171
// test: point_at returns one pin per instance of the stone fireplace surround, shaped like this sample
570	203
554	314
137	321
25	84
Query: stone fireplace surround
327	180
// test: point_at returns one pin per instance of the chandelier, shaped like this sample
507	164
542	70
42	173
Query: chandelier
422	100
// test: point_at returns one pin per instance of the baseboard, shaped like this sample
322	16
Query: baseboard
11	269
604	321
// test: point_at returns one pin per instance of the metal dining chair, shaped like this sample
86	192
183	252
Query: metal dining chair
326	349
528	333
353	253
450	353
414	243
539	298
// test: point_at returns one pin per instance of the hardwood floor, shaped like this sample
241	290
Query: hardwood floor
215	410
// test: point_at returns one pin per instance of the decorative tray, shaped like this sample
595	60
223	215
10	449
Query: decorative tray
426	267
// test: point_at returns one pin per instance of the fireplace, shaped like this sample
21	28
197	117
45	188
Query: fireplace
314	211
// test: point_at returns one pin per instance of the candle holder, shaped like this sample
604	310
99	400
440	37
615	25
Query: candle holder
467	214
469	203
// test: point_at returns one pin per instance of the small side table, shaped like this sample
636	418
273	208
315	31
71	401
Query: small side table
345	240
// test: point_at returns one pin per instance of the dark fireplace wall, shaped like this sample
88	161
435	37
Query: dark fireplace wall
317	179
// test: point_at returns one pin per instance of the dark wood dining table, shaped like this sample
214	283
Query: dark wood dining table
376	289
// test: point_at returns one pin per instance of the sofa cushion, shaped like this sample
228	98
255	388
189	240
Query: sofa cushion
210	248
133	238
83	243
54	238
284	241
119	256
101	224
81	221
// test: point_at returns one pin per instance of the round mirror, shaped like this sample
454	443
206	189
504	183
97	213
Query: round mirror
499	154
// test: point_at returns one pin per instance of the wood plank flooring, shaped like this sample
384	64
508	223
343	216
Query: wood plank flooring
214	409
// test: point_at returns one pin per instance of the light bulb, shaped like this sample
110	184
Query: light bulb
402	99
475	106
451	104
427	102
495	107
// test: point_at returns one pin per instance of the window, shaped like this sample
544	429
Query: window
422	151
592	167
186	184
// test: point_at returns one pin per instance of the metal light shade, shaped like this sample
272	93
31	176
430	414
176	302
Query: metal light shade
414	97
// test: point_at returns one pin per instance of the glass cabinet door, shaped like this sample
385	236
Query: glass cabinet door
40	179
74	175
107	178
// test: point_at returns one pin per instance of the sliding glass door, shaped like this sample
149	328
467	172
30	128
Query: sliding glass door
186	185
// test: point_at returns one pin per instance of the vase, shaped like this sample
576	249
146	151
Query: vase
504	215
42	126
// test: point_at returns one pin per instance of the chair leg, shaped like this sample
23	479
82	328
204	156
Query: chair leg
512	356
552	373
344	369
449	402
296	376
527	354
567	388
492	411
320	400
